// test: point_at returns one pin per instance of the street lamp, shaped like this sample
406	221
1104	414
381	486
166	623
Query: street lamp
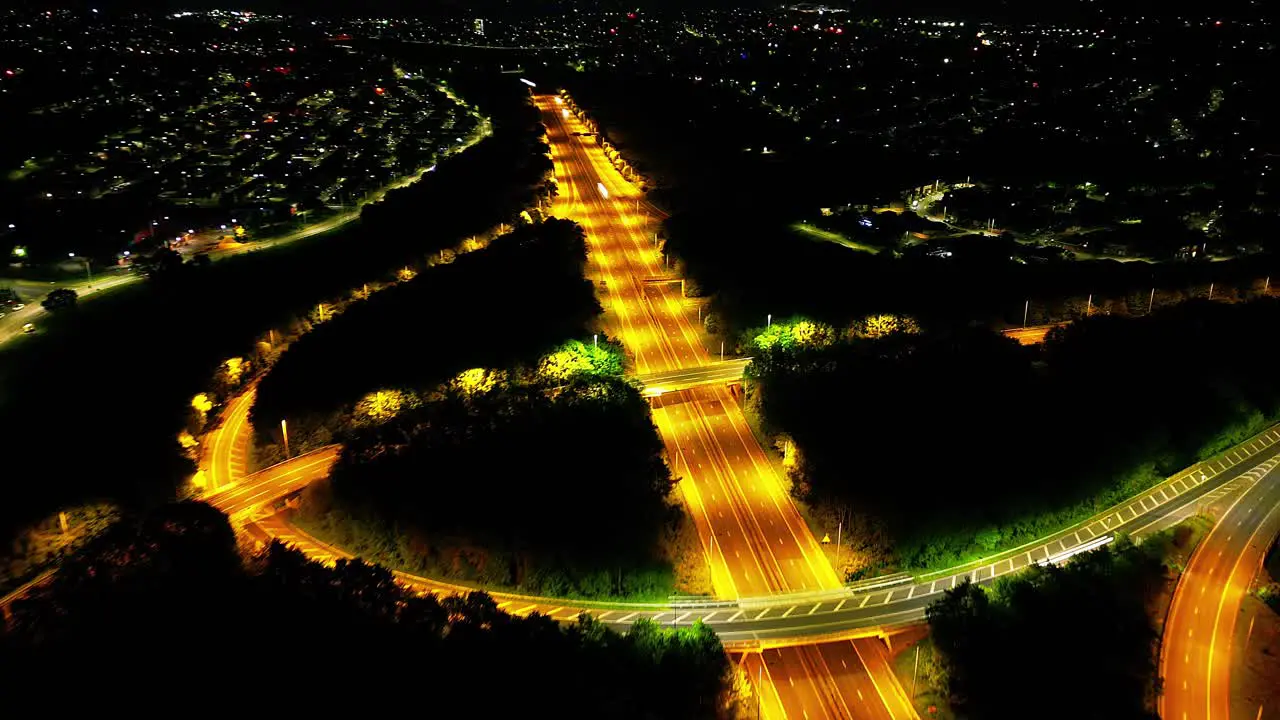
769	321
284	430
88	272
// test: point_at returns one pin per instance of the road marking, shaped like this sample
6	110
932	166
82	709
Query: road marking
865	600
887	596
841	604
911	592
605	615
504	604
735	616
762	613
627	618
524	610
680	619
814	609
707	618
789	611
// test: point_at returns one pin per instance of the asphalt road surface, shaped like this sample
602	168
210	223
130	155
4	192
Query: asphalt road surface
754	537
1195	659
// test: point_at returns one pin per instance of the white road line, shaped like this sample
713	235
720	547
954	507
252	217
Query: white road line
682	617
911	592
814	609
762	612
789	611
887	597
841	604
627	618
865	600
735	616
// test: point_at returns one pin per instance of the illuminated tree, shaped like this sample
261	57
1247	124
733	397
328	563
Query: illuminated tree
878	326
382	405
477	381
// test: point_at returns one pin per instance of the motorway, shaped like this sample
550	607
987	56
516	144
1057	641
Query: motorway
1199	632
756	541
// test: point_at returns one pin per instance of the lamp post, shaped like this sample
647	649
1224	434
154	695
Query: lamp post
595	342
284	430
914	673
768	323
88	272
839	534
1025	310
1151	302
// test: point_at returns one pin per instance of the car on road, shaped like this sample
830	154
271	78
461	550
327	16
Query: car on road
29	328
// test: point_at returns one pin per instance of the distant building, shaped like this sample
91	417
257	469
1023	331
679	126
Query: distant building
807	7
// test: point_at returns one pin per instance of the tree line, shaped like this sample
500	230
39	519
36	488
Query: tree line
164	600
534	479
511	302
1090	625
95	402
751	268
951	444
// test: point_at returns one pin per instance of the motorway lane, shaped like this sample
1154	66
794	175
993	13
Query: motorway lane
1195	658
1034	335
226	449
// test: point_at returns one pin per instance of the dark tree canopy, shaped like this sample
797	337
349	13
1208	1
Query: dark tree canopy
964	442
511	301
557	489
163	602
1060	617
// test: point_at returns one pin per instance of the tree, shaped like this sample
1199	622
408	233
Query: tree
60	299
161	263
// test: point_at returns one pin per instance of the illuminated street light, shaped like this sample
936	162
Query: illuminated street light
769	322
284	430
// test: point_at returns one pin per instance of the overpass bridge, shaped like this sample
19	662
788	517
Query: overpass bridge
725	371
